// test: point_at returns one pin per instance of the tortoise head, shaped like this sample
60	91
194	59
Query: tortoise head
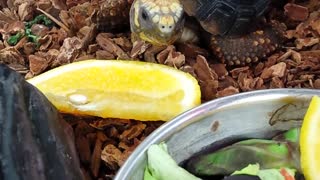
159	22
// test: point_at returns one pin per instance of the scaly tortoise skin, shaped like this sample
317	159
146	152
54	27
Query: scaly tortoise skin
246	49
161	22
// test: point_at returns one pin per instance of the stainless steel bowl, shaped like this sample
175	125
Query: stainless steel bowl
258	114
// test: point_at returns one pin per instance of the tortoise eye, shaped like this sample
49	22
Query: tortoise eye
144	15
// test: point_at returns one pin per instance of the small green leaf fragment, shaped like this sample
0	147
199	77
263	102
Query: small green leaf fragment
279	149
14	39
147	175
32	38
292	135
162	166
39	19
251	169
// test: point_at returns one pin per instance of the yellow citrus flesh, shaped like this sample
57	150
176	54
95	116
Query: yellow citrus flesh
310	141
119	89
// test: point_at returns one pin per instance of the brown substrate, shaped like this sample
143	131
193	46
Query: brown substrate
104	144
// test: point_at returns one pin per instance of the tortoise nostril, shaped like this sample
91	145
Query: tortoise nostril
165	28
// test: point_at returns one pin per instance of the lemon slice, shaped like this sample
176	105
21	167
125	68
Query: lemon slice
310	141
119	89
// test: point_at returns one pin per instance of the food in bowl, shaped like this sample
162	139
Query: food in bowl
291	155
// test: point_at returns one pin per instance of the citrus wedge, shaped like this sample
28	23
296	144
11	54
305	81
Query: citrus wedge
119	89
310	141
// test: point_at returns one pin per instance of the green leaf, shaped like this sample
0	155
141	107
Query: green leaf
161	166
147	175
291	135
251	169
13	40
39	19
268	154
274	174
264	174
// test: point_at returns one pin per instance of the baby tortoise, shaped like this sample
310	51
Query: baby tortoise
234	39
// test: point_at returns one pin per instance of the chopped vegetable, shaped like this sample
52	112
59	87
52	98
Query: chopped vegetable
267	174
279	158
292	135
251	169
267	153
14	39
161	166
37	20
32	38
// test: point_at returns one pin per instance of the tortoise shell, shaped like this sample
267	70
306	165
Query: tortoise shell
226	17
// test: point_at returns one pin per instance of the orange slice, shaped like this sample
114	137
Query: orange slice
119	89
310	141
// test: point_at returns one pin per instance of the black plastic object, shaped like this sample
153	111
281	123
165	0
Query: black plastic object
226	17
35	143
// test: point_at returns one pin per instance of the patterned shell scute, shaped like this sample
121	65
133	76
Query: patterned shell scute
226	17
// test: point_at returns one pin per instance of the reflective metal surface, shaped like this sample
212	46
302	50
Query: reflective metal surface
258	114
